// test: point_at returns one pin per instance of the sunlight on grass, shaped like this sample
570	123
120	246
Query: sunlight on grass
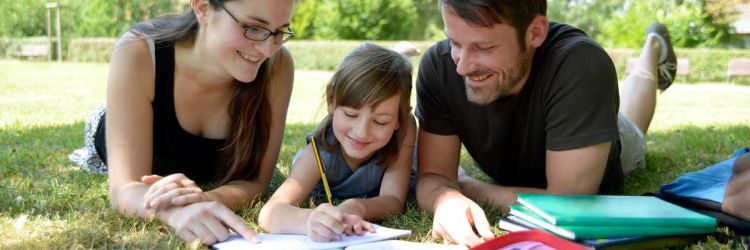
42	93
44	106
307	104
702	105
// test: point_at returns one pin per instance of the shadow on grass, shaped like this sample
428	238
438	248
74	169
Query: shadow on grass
83	233
294	140
684	149
37	178
69	238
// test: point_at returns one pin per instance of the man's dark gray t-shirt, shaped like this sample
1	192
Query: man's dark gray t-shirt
569	101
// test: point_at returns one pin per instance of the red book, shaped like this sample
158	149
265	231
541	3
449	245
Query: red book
532	239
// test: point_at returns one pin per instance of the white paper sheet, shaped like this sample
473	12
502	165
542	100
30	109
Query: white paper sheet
289	241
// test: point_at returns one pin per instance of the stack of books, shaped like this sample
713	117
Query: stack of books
593	218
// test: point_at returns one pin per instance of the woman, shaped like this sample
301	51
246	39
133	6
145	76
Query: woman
197	98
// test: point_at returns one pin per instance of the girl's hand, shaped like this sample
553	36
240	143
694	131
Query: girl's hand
354	224
325	223
208	222
175	190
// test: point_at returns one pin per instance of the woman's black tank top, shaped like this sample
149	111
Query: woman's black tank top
174	149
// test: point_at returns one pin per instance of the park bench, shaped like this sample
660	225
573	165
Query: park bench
683	67
34	50
738	67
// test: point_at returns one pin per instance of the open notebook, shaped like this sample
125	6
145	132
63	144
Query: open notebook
289	241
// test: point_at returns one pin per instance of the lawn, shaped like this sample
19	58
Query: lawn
47	202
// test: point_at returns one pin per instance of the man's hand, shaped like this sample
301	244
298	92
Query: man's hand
458	219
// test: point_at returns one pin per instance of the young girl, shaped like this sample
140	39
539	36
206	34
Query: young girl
366	144
197	98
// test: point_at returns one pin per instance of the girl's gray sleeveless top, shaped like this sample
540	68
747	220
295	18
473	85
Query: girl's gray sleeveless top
345	183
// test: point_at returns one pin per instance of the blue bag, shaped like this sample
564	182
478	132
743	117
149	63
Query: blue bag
703	191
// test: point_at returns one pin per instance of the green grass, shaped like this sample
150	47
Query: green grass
47	202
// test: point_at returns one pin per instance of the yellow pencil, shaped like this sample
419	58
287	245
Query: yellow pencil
322	170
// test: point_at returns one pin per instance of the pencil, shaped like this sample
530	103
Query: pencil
322	170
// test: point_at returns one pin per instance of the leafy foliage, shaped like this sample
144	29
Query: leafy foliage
356	19
81	18
614	23
621	23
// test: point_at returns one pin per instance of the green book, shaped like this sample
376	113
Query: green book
612	210
525	217
636	243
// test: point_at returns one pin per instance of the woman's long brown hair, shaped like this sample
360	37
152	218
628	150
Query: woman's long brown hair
249	110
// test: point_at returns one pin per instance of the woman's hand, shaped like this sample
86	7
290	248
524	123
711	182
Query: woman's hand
208	222
175	190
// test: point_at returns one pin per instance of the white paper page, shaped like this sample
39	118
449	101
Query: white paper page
404	245
289	241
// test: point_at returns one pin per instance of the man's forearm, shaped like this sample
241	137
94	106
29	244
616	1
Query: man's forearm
742	163
491	194
432	187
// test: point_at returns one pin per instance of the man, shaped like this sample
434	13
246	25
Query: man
536	106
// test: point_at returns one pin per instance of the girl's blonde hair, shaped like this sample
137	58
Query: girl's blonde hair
369	75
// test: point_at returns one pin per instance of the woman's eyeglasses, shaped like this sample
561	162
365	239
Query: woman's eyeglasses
257	33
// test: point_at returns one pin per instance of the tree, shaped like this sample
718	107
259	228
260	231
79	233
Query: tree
429	24
621	23
588	15
367	19
110	18
23	18
81	17
304	20
614	23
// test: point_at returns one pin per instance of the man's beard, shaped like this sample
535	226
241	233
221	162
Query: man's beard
506	80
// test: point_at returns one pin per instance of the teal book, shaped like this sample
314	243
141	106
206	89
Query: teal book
612	210
524	217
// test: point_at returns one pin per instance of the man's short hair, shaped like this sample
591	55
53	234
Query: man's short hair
486	13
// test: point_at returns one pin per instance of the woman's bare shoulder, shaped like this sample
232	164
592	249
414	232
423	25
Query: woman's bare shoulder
283	64
282	73
131	64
